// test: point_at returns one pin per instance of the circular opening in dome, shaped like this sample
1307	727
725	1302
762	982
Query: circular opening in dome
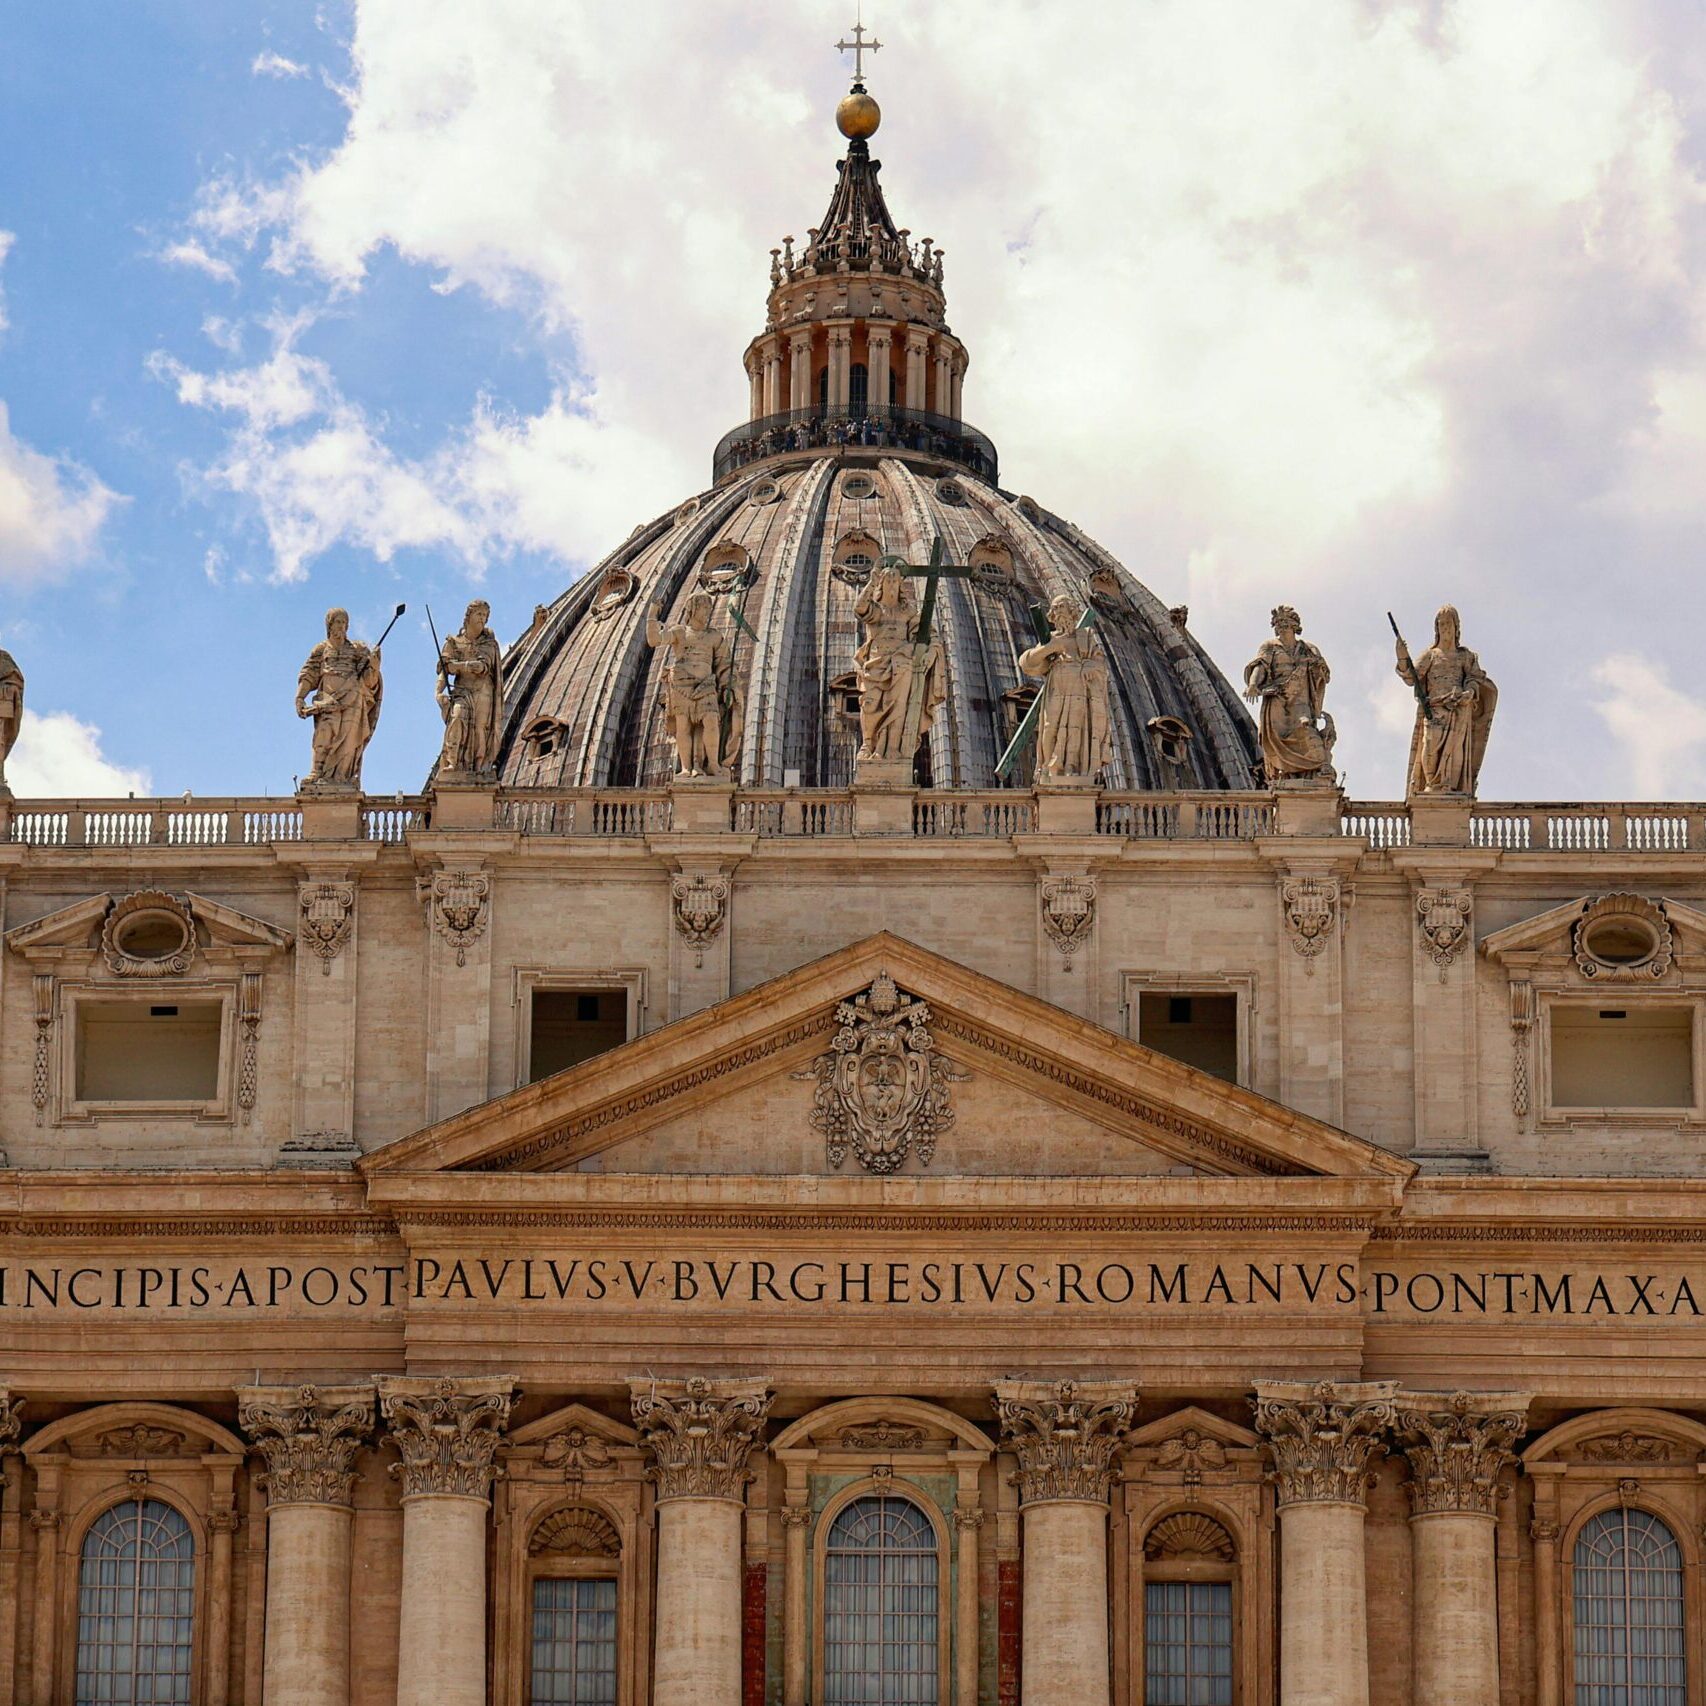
765	492
858	486
687	512
151	936
1621	941
950	492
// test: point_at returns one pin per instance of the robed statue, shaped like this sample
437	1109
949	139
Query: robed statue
340	687
470	695
11	708
1455	701
899	677
696	682
1072	730
1287	680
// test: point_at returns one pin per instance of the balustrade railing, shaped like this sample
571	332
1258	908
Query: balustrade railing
857	426
153	823
942	816
1185	817
625	812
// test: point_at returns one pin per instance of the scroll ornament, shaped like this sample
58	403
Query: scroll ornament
1457	1454
1323	1444
309	1437
458	903
447	1433
882	1087
1065	1437
328	915
1069	912
1443	918
700	905
1311	914
699	1436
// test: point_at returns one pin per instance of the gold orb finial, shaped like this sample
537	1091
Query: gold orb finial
858	115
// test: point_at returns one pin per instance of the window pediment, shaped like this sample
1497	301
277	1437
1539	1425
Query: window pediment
149	933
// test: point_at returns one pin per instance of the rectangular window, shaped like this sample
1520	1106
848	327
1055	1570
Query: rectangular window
148	1051
574	1642
572	1025
1200	1030
1187	1644
1622	1057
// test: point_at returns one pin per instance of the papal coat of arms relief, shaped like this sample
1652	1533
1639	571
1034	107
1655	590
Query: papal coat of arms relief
883	1090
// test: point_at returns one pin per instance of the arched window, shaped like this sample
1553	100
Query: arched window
859	387
574	1555
1188	1570
1629	1612
136	1608
881	1628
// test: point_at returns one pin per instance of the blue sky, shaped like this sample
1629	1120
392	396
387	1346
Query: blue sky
1347	303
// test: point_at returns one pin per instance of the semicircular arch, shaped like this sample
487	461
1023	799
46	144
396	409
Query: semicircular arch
849	1412
105	1418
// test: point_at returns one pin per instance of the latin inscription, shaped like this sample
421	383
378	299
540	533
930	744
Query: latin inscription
798	1283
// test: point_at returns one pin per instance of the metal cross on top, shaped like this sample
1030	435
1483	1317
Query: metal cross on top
858	47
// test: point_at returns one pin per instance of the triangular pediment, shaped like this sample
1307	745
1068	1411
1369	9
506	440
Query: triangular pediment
84	926
754	1066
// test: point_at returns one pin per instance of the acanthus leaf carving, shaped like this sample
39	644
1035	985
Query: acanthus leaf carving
1324	1438
309	1437
1457	1449
699	1434
883	1088
1069	912
328	916
1065	1435
459	905
1442	916
11	1419
447	1432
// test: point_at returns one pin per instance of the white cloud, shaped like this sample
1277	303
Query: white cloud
58	755
52	509
270	64
1660	729
7	239
188	253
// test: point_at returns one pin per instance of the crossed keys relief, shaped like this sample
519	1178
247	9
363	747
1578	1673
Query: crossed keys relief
882	1088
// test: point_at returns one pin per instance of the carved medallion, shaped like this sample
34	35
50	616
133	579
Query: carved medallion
457	905
1623	938
1626	1447
1442	915
575	1451
1190	1453
148	934
700	905
328	914
1311	914
1069	912
615	590
882	1088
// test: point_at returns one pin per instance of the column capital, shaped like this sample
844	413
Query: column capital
11	1422
446	1431
309	1436
699	1433
1323	1436
1065	1434
1458	1444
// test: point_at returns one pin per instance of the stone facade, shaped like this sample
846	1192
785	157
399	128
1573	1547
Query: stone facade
536	1198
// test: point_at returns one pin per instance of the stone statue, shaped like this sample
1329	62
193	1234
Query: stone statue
343	677
1072	734
1288	679
11	708
696	683
470	695
1455	702
900	681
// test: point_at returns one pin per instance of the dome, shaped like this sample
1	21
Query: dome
855	449
788	542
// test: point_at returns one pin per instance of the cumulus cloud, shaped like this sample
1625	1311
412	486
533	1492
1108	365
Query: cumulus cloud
188	253
1347	302
52	509
1660	729
58	755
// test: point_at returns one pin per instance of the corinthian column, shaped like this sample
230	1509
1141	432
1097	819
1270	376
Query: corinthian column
1458	1446
309	1436
699	1434
447	1433
1323	1438
1065	1436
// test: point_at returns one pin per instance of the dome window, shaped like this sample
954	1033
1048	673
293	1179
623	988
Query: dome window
1107	591
542	736
950	491
1170	741
615	590
858	486
686	512
764	491
727	568
844	698
991	561
856	555
1027	507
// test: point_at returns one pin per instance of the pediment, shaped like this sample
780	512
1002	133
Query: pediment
754	1067
1651	934
575	1430
87	928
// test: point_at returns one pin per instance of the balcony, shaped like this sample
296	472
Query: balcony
875	428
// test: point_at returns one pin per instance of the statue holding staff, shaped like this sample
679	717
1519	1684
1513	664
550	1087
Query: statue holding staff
470	695
1455	701
1072	736
340	687
1288	679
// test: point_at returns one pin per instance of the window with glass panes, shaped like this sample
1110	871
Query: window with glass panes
1628	1599
136	1608
1187	1643
881	1625
574	1641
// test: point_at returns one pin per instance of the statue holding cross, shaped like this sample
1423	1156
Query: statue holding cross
1072	709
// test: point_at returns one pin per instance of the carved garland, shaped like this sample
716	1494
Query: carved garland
140	1440
699	1438
1626	1447
42	1075
882	1436
249	1027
